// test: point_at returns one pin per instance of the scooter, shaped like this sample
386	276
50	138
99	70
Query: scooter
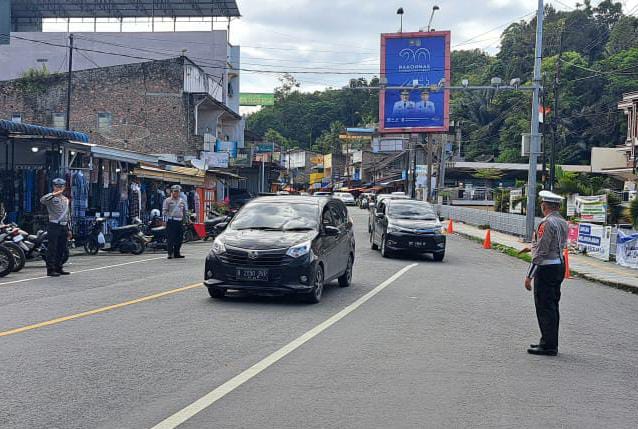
155	234
11	239
189	230
212	221
126	239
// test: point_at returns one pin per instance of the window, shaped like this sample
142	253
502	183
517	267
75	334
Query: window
339	216
16	117
58	120
326	218
104	121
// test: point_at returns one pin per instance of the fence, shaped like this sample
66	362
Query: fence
504	222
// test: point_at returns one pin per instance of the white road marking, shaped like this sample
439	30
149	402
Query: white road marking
215	395
85	271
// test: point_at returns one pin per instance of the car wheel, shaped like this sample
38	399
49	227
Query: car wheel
438	257
317	291
384	249
373	245
346	279
216	292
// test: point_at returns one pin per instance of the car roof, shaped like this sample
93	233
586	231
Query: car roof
294	199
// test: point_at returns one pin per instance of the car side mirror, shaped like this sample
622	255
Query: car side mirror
441	218
330	230
221	226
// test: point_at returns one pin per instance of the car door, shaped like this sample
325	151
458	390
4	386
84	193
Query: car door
328	243
340	216
379	218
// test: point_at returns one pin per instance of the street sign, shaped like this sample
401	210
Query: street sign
264	148
256	99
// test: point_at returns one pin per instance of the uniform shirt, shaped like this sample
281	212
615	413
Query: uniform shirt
549	241
57	207
174	208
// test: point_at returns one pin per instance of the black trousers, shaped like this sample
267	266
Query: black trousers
174	237
547	284
57	236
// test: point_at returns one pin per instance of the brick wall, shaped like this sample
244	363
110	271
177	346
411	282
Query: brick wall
150	113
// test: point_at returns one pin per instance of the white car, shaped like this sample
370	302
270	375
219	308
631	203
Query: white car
346	197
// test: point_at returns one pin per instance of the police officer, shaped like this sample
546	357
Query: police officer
58	231
174	210
548	271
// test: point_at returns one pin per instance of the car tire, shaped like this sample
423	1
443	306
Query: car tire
315	295
217	292
346	278
438	257
384	250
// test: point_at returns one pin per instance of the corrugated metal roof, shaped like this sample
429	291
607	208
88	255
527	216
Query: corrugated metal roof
9	127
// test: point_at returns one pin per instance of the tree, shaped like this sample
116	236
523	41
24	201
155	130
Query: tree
288	85
329	141
273	136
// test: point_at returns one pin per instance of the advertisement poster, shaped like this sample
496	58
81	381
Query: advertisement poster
592	209
627	250
572	234
226	146
595	240
414	64
217	159
516	201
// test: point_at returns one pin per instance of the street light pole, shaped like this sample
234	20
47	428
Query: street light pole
535	136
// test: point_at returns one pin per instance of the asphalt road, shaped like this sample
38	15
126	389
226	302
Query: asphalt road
129	341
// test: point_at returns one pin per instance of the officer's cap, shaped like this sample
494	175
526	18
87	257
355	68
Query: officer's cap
405	92
176	188
59	182
550	197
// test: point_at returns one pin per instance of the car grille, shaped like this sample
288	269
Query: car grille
259	258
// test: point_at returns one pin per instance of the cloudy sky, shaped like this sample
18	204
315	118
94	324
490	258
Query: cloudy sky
329	36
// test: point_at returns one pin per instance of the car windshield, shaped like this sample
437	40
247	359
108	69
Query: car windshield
277	216
411	210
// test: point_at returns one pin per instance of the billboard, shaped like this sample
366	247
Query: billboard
217	159
420	61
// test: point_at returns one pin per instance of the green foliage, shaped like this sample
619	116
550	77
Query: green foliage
33	81
329	141
273	136
502	200
488	174
633	212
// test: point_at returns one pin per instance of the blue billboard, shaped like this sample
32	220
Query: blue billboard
414	64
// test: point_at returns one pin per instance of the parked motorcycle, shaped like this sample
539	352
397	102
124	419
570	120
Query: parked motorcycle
6	261
11	239
213	220
155	233
189	230
126	239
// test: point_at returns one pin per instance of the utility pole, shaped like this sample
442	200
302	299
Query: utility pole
535	136
543	128
430	147
68	85
556	116
441	176
413	192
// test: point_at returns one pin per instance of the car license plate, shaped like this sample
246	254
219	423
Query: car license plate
417	244
252	275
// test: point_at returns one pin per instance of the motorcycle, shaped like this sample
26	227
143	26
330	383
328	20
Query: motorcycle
11	239
6	261
213	220
126	239
155	234
189	230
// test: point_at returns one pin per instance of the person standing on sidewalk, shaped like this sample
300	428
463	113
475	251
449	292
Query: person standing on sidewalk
58	232
548	271
174	210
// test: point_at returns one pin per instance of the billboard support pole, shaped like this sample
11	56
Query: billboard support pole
535	136
430	144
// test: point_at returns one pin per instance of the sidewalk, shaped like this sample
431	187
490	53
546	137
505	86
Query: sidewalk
586	267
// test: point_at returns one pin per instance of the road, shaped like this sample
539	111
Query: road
131	341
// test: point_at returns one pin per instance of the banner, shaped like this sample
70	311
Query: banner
226	146
572	234
592	209
217	159
595	240
516	201
414	65
264	148
627	250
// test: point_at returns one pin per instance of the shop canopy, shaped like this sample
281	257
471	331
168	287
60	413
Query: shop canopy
15	129
184	176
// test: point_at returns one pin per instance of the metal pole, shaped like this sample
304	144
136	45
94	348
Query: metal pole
552	156
68	85
413	175
430	146
535	137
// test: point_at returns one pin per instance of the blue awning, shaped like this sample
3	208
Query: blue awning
9	127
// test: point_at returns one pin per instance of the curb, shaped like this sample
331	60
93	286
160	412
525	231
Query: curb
510	250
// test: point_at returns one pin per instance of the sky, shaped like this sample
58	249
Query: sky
324	43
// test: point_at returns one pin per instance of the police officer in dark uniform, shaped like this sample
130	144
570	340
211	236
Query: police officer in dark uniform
548	271
174	210
58	231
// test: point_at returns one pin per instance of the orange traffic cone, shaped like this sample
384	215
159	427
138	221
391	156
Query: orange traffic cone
568	275
450	227
487	243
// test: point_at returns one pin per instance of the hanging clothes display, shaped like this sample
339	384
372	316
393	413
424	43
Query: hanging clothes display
80	195
134	201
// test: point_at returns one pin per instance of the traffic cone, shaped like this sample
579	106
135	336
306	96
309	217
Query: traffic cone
568	275
487	243
450	227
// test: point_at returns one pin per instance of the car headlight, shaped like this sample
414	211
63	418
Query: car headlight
218	246
395	228
299	250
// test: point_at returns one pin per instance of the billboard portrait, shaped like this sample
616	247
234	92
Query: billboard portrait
418	61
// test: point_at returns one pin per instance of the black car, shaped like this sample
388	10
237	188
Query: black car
283	244
407	226
373	204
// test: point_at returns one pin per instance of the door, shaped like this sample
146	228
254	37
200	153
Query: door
342	251
328	244
378	223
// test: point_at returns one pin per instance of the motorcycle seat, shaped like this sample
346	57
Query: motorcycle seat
32	237
125	228
158	229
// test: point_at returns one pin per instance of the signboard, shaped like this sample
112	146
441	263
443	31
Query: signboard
388	145
572	234
420	61
226	146
217	159
516	201
316	178
595	240
592	209
627	250
316	160
264	147
256	99
571	205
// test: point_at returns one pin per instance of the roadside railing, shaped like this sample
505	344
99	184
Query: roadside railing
503	222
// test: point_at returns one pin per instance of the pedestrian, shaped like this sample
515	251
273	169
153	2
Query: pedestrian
547	270
58	232
174	210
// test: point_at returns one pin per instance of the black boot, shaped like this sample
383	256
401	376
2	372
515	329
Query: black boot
62	272
53	273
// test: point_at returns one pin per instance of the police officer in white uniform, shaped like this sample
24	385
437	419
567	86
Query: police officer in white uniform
58	232
174	211
547	270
